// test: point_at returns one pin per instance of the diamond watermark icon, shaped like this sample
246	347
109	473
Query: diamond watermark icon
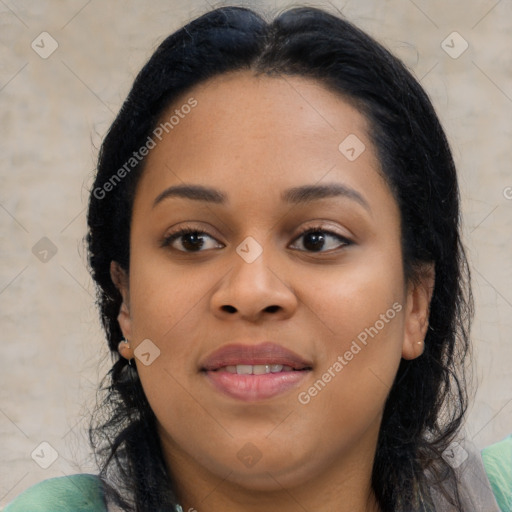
352	147
454	45
249	455
455	455
249	249
44	45
44	455
146	352
44	250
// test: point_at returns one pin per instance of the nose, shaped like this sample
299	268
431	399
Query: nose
254	291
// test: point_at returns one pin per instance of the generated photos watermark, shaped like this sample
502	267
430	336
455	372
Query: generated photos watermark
143	151
304	397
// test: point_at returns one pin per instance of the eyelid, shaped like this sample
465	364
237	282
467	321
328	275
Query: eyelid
327	227
191	226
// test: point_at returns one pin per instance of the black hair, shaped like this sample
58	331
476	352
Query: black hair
428	400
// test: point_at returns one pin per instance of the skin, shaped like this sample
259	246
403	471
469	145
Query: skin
253	137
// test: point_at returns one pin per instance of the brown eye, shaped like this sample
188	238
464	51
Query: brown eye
191	240
316	239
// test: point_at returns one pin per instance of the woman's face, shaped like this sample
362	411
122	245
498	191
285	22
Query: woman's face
328	313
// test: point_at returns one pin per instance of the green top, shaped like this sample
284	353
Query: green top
497	460
74	493
83	492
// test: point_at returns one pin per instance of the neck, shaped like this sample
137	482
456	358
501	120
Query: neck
344	485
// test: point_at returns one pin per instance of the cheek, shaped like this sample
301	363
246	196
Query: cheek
348	301
359	317
169	306
163	297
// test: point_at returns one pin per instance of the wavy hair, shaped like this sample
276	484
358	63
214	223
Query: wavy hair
428	400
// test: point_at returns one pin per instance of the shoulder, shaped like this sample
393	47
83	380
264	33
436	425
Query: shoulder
497	460
73	493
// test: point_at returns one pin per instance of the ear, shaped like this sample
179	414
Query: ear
120	279
419	295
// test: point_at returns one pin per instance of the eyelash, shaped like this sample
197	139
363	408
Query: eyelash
168	240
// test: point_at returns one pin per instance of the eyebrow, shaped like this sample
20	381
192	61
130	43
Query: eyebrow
308	193
295	195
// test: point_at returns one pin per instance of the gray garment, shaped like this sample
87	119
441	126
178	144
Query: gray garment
474	488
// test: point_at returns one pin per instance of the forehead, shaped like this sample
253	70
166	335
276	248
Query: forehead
257	134
239	109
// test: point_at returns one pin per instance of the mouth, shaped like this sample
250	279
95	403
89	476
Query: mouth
258	369
253	373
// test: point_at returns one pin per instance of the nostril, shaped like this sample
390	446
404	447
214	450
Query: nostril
272	309
229	309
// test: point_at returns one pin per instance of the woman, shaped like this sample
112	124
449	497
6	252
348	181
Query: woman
274	232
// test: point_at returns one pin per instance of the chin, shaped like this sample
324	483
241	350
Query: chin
258	472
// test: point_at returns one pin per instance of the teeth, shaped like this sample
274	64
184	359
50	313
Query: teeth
260	369
256	369
243	369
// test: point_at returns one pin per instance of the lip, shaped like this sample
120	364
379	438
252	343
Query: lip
263	353
251	388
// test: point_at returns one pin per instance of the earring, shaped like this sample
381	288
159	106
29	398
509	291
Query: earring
125	351
128	372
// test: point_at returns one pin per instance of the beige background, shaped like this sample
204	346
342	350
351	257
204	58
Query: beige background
54	113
